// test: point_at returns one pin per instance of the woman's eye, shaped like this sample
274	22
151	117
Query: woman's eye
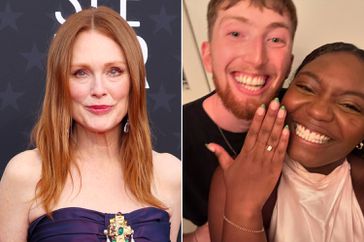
351	107
115	71
80	73
304	88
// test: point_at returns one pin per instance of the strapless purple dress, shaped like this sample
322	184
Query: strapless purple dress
75	224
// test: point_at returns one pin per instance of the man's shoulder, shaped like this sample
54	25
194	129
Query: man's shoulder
196	104
194	114
197	125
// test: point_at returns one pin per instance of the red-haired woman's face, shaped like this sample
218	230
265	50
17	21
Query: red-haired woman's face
99	82
325	103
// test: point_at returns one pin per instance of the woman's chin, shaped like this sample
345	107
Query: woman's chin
100	128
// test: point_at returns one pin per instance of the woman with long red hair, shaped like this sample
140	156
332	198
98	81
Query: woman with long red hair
93	175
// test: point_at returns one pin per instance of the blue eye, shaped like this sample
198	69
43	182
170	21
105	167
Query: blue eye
115	71
80	73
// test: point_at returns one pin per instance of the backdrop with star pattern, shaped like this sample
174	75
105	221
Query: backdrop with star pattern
26	28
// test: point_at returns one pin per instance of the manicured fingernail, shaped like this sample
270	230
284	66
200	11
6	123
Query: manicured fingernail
274	104
208	146
261	109
281	112
285	130
283	107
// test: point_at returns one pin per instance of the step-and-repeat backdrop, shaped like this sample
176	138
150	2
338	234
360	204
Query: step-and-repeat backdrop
26	28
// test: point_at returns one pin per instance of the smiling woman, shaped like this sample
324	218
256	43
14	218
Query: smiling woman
93	175
97	70
326	106
316	192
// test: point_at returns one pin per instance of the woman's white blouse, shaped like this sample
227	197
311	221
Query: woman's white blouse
312	207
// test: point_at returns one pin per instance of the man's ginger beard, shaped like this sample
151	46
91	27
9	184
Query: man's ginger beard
240	110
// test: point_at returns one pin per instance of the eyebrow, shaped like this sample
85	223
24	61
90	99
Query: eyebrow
316	78
273	25
311	75
116	62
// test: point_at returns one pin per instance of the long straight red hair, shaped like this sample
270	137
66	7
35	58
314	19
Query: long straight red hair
52	133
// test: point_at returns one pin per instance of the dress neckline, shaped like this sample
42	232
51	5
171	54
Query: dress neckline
60	210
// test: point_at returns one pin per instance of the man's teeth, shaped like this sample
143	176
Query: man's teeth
252	83
311	136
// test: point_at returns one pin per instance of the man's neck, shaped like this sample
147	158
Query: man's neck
222	117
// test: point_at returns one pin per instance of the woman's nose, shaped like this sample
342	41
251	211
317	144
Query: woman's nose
320	110
98	87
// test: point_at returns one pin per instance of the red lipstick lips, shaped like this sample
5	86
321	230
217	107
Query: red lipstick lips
99	109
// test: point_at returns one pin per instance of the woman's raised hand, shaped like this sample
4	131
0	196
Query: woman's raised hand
252	176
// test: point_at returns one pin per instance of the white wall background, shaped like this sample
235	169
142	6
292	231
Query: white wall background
319	22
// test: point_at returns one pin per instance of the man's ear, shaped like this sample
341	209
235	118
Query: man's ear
206	55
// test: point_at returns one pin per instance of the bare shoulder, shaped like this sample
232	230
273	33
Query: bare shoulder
25	167
22	174
167	167
167	178
167	187
17	190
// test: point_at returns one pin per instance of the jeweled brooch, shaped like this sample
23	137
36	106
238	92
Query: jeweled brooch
119	230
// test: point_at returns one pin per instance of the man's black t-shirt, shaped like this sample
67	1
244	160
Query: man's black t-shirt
199	163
